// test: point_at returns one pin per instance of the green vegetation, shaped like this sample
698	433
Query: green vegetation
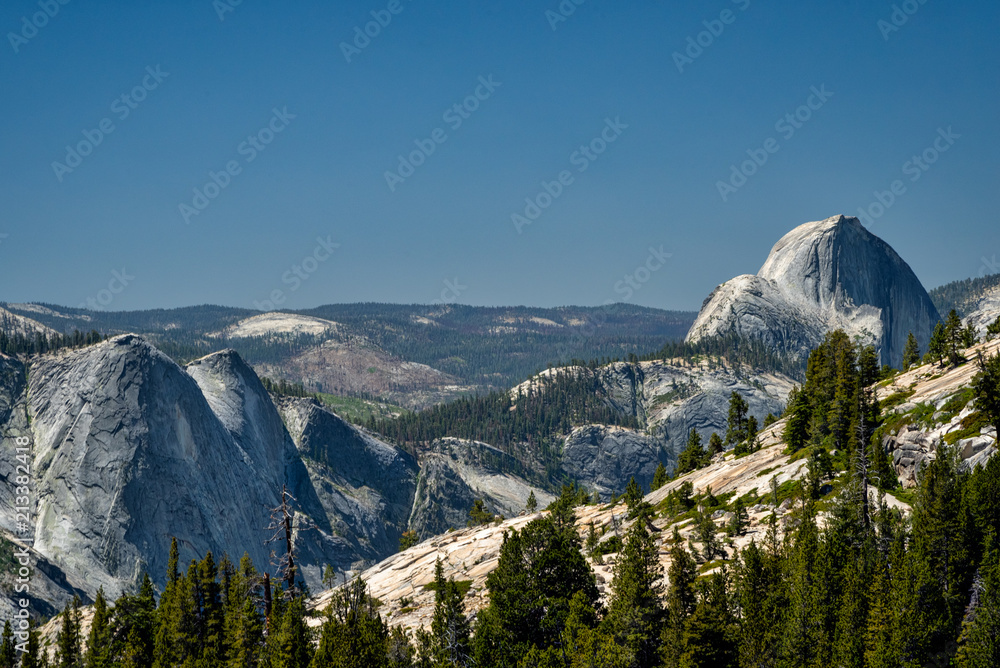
537	417
962	295
18	344
360	410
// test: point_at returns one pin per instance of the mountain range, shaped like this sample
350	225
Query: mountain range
166	429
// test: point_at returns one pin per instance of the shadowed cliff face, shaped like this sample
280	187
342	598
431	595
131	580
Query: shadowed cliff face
821	276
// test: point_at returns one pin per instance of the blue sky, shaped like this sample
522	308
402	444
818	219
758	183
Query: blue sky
678	126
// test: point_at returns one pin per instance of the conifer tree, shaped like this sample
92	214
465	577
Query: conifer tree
8	656
710	633
715	445
796	433
33	656
244	622
634	611
993	329
680	602
937	349
633	493
660	477
99	639
450	627
68	654
292	644
979	643
740	519
911	352
693	454
954	338
166	649
737	421
759	597
532	503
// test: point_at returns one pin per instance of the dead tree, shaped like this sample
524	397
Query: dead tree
282	518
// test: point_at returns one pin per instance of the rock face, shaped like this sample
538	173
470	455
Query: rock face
669	398
602	457
131	450
366	487
937	411
822	276
455	473
985	310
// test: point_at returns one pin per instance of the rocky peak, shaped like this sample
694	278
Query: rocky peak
824	275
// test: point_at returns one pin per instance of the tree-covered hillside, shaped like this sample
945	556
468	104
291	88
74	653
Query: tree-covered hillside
960	295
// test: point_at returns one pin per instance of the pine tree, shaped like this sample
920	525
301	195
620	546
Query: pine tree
796	433
979	643
450	627
292	645
693	454
680	602
715	445
634	611
68	654
211	617
937	349
759	595
243	621
33	656
911	352
99	640
953	338
740	519
532	503
8	656
660	477
165	648
710	632
633	494
737	421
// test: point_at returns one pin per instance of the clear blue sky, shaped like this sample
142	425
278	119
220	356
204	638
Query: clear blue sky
323	174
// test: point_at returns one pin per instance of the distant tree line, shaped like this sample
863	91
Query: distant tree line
19	344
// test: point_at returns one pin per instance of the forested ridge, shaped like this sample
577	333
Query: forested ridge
960	295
